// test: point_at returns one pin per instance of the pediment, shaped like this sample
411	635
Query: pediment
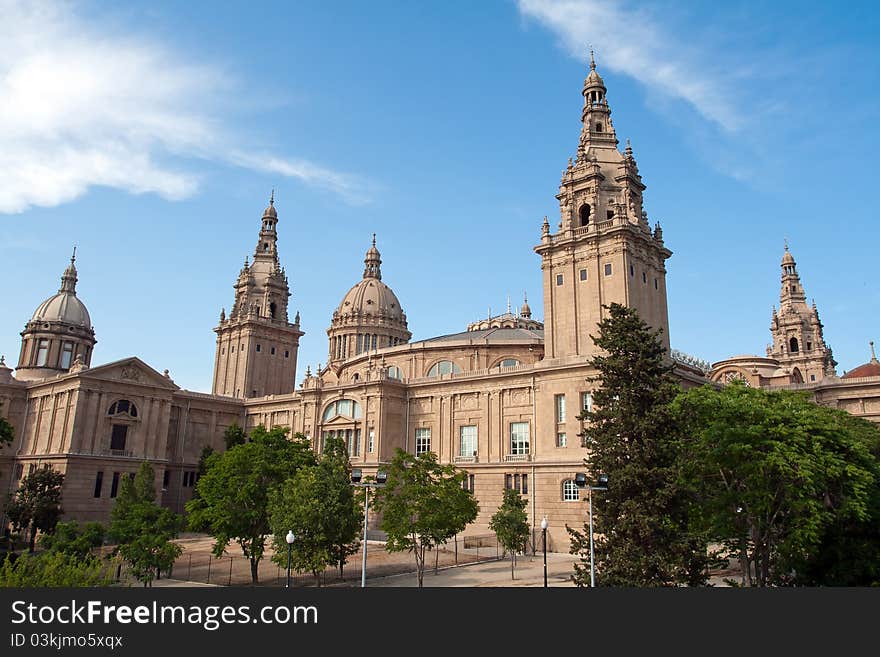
130	370
339	419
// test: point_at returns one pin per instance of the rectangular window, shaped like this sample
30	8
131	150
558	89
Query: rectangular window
559	279
644	277
560	439
423	441
587	402
166	478
560	408
468	441
286	353
231	350
259	347
360	344
114	485
519	437
517	482
117	437
583	274
42	352
632	270
19	470
371	438
99	482
66	355
656	287
373	342
608	269
468	482
272	351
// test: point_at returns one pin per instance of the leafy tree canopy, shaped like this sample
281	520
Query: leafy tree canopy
785	483
36	505
232	501
53	569
142	529
510	524
74	539
423	504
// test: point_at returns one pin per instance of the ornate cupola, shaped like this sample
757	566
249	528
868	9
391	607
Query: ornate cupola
604	251
796	331
59	331
257	345
369	317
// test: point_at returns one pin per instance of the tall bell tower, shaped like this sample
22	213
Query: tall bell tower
604	251
256	344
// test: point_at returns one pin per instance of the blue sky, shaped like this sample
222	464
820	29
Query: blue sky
151	134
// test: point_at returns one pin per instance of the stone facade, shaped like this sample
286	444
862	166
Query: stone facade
499	400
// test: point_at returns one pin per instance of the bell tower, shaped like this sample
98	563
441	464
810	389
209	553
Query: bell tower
604	251
798	340
256	344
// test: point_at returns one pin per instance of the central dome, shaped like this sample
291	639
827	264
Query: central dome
369	316
371	296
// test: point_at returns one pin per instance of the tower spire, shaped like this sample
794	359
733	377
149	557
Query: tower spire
873	355
68	278
592	59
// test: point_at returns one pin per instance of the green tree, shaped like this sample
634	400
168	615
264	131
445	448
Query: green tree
234	435
318	504
414	505
74	539
36	505
643	536
143	530
786	484
510	524
53	569
232	501
7	433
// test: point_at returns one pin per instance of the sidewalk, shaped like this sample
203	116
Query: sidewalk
529	572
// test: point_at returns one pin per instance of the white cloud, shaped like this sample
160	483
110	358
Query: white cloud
82	106
634	43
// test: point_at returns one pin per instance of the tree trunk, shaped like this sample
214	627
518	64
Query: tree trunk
420	564
254	565
32	544
512	561
436	560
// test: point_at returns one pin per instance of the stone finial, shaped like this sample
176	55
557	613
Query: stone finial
2	361
272	197
629	150
296	319
592	59
223	314
308	372
873	355
166	374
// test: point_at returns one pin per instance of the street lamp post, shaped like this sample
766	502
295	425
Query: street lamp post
356	480
581	481
289	538
544	537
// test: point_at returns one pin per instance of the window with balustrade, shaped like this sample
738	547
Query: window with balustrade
519	438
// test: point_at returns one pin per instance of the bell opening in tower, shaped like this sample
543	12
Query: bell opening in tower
585	214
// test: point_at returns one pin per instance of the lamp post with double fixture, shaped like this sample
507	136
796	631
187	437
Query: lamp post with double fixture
358	480
580	481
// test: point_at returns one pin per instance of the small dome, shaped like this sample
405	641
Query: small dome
871	368
270	211
370	296
594	80
64	307
787	259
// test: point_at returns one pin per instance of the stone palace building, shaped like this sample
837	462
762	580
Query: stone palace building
499	399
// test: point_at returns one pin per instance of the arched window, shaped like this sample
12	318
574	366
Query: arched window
584	214
796	376
570	491
793	345
272	310
444	367
598	127
123	407
395	373
507	362
344	407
